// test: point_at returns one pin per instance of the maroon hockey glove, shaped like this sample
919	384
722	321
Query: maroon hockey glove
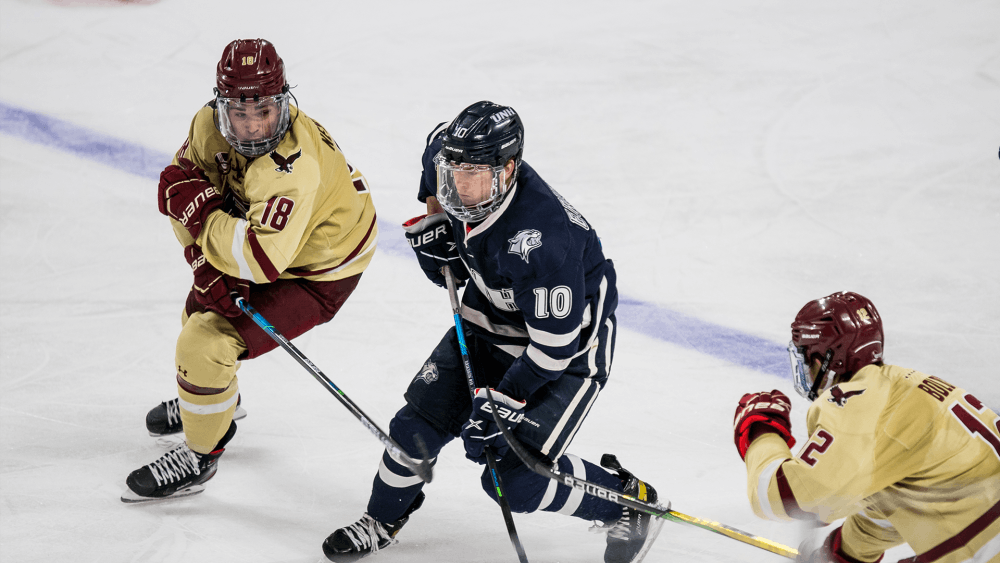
431	238
482	430
830	552
770	409
212	287
186	195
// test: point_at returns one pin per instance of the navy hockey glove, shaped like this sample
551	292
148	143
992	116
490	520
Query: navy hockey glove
431	239
482	429
212	287
830	551
186	195
769	409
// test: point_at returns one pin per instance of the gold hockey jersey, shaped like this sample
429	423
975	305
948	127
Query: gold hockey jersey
904	456
301	211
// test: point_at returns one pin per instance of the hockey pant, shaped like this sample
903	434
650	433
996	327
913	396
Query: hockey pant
438	404
211	346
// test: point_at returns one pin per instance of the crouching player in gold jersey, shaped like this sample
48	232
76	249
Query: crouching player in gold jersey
265	204
903	456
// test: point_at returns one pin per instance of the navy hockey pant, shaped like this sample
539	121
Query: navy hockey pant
438	404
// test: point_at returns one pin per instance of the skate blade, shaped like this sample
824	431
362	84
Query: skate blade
165	439
652	531
129	497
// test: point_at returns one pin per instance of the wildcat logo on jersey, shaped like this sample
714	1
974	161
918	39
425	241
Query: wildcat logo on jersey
284	164
840	398
524	242
428	374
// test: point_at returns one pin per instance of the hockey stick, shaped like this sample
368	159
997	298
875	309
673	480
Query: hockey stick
593	489
421	468
487	451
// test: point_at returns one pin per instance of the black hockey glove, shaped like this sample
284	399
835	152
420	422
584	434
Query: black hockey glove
482	429
431	239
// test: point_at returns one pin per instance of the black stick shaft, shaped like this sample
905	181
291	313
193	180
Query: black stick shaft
421	468
488	452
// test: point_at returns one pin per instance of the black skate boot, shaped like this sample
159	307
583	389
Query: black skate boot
630	538
366	536
178	473
165	418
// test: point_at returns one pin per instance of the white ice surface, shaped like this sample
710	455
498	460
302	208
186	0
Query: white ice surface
738	159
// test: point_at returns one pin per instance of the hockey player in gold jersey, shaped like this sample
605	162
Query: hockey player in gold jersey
902	455
265	204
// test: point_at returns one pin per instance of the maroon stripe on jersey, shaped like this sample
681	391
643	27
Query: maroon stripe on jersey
351	256
270	272
360	186
959	539
788	501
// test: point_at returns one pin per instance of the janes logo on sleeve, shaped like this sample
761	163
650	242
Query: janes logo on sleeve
284	164
524	242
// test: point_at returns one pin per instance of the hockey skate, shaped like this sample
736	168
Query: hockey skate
178	473
165	418
630	538
366	536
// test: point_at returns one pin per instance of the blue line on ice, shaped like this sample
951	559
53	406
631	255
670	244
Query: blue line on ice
725	343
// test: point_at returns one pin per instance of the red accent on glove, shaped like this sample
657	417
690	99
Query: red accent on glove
212	287
770	409
186	195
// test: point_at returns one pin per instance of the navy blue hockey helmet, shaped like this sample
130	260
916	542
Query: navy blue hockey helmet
475	149
484	133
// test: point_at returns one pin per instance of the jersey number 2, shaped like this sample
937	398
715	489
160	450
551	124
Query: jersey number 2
817	447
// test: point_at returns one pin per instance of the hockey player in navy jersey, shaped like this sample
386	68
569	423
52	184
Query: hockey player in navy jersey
539	317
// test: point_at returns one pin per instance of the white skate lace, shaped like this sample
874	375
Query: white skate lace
365	533
621	529
173	412
175	465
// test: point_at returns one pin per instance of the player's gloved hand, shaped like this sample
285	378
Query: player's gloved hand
186	195
770	409
828	552
482	430
212	287
431	239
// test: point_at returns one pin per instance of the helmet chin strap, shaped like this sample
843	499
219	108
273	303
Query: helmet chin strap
820	376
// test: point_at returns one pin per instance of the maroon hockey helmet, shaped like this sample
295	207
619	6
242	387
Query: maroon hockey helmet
250	68
251	96
842	330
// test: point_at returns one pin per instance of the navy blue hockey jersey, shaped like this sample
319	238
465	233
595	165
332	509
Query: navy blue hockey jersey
541	287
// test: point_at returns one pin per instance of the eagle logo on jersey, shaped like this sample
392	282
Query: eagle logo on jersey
840	398
284	164
524	242
429	373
